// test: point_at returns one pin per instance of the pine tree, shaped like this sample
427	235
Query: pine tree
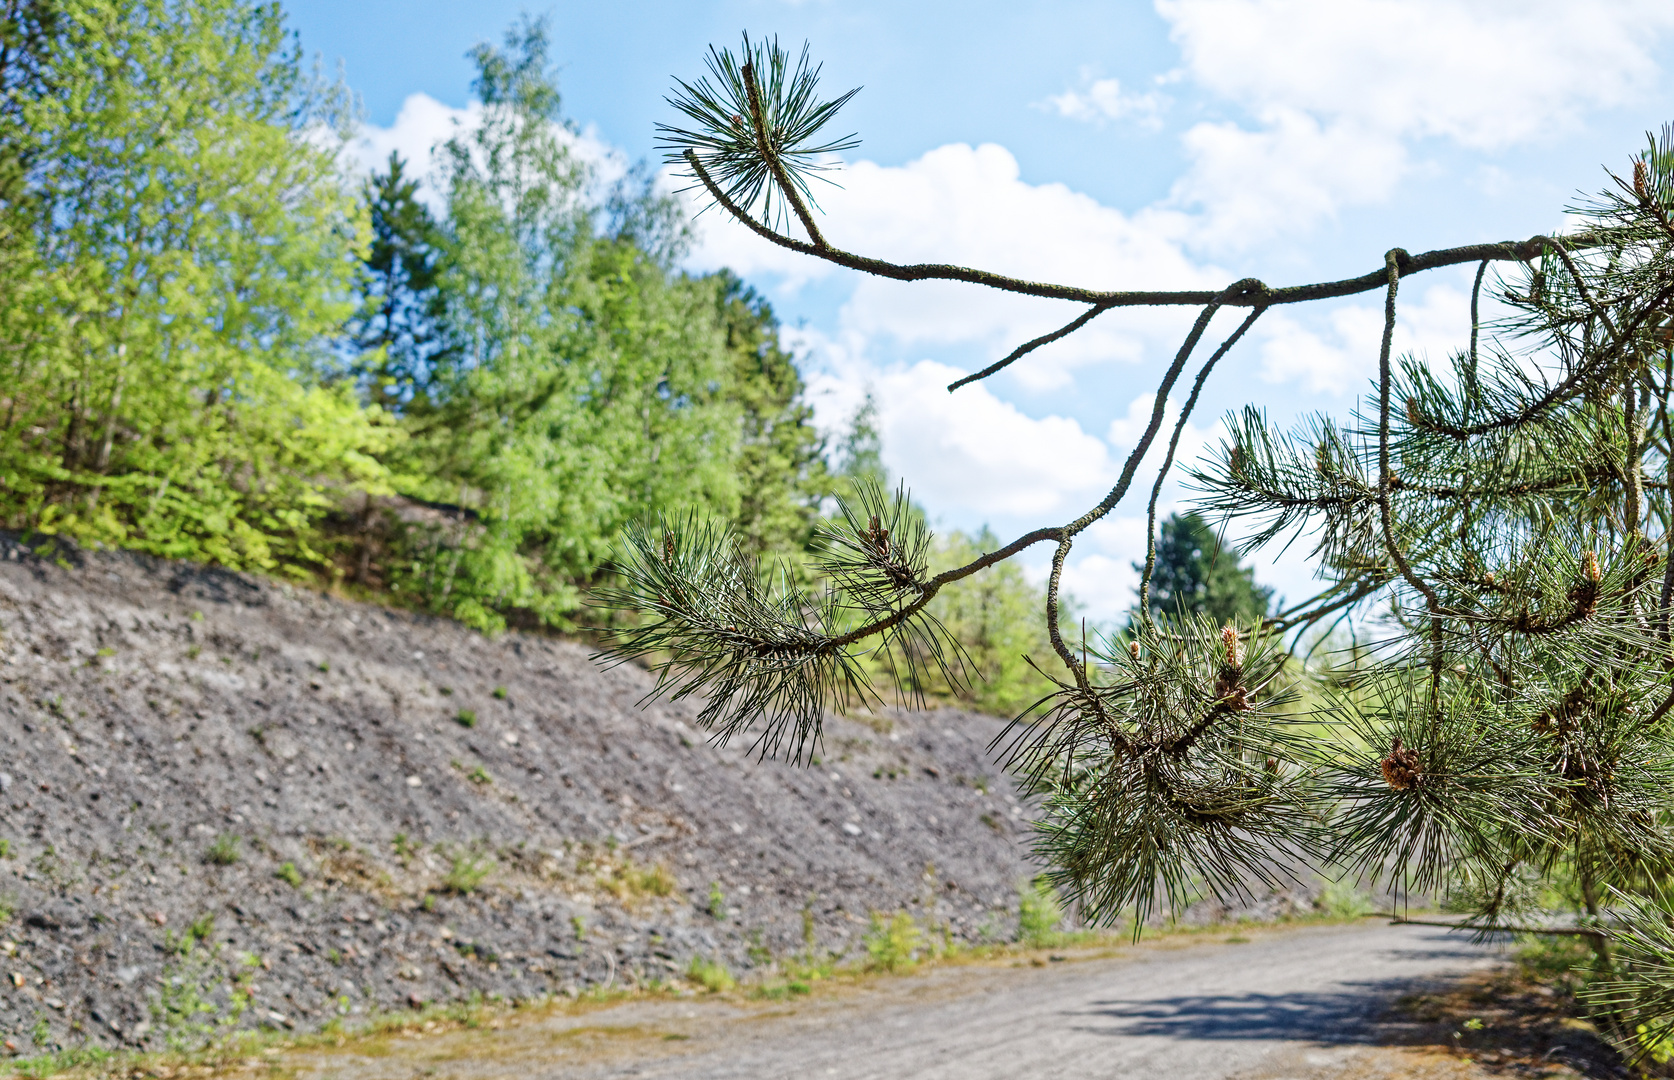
1194	575
1506	519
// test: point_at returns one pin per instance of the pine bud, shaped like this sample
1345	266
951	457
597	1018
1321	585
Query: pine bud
1133	649
737	121
1489	579
1414	417
1589	567
1403	768
1234	648
1641	181
668	549
1272	764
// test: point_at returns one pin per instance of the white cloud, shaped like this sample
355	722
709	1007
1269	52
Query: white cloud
1099	101
1338	90
1336	352
1245	187
971	453
1485	74
424	124
1125	431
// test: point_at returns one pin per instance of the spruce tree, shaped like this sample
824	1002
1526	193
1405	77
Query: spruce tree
396	330
1505	519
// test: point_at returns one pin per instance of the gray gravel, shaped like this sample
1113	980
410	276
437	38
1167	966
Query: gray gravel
149	708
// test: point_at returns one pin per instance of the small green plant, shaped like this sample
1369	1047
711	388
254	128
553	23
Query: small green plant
445	691
223	851
289	874
196	616
405	849
41	1033
200	930
578	925
1038	914
758	953
809	937
629	882
500	693
717	901
712	975
192	652
429	903
1341	900
892	944
185	1009
468	872
5	849
479	775
325	665
334	958
465	718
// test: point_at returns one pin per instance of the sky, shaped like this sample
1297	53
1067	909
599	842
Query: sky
1172	144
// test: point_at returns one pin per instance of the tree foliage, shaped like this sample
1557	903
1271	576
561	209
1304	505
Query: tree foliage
179	250
577	382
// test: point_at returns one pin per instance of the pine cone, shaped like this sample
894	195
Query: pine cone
1403	768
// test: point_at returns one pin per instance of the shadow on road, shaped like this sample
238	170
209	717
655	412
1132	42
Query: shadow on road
1344	1016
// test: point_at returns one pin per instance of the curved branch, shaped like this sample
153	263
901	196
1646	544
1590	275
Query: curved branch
1168	459
1385	474
1260	294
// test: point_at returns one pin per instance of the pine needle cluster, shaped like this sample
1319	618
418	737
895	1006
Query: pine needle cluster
767	655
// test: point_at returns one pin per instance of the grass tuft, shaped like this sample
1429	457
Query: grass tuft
712	975
223	851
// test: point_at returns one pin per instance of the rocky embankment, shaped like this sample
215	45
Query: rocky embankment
214	788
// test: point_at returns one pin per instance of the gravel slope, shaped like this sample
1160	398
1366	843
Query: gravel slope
149	709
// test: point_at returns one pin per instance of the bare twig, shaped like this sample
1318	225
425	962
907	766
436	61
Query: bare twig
1030	346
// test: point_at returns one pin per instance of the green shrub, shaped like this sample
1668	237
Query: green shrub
1341	900
712	975
224	850
892	944
465	718
717	901
468	872
1038	914
289	874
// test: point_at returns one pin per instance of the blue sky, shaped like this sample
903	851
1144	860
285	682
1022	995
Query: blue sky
1180	143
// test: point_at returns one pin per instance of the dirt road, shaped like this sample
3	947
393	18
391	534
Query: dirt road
1286	1003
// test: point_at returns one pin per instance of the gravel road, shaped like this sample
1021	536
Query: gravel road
1286	1003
